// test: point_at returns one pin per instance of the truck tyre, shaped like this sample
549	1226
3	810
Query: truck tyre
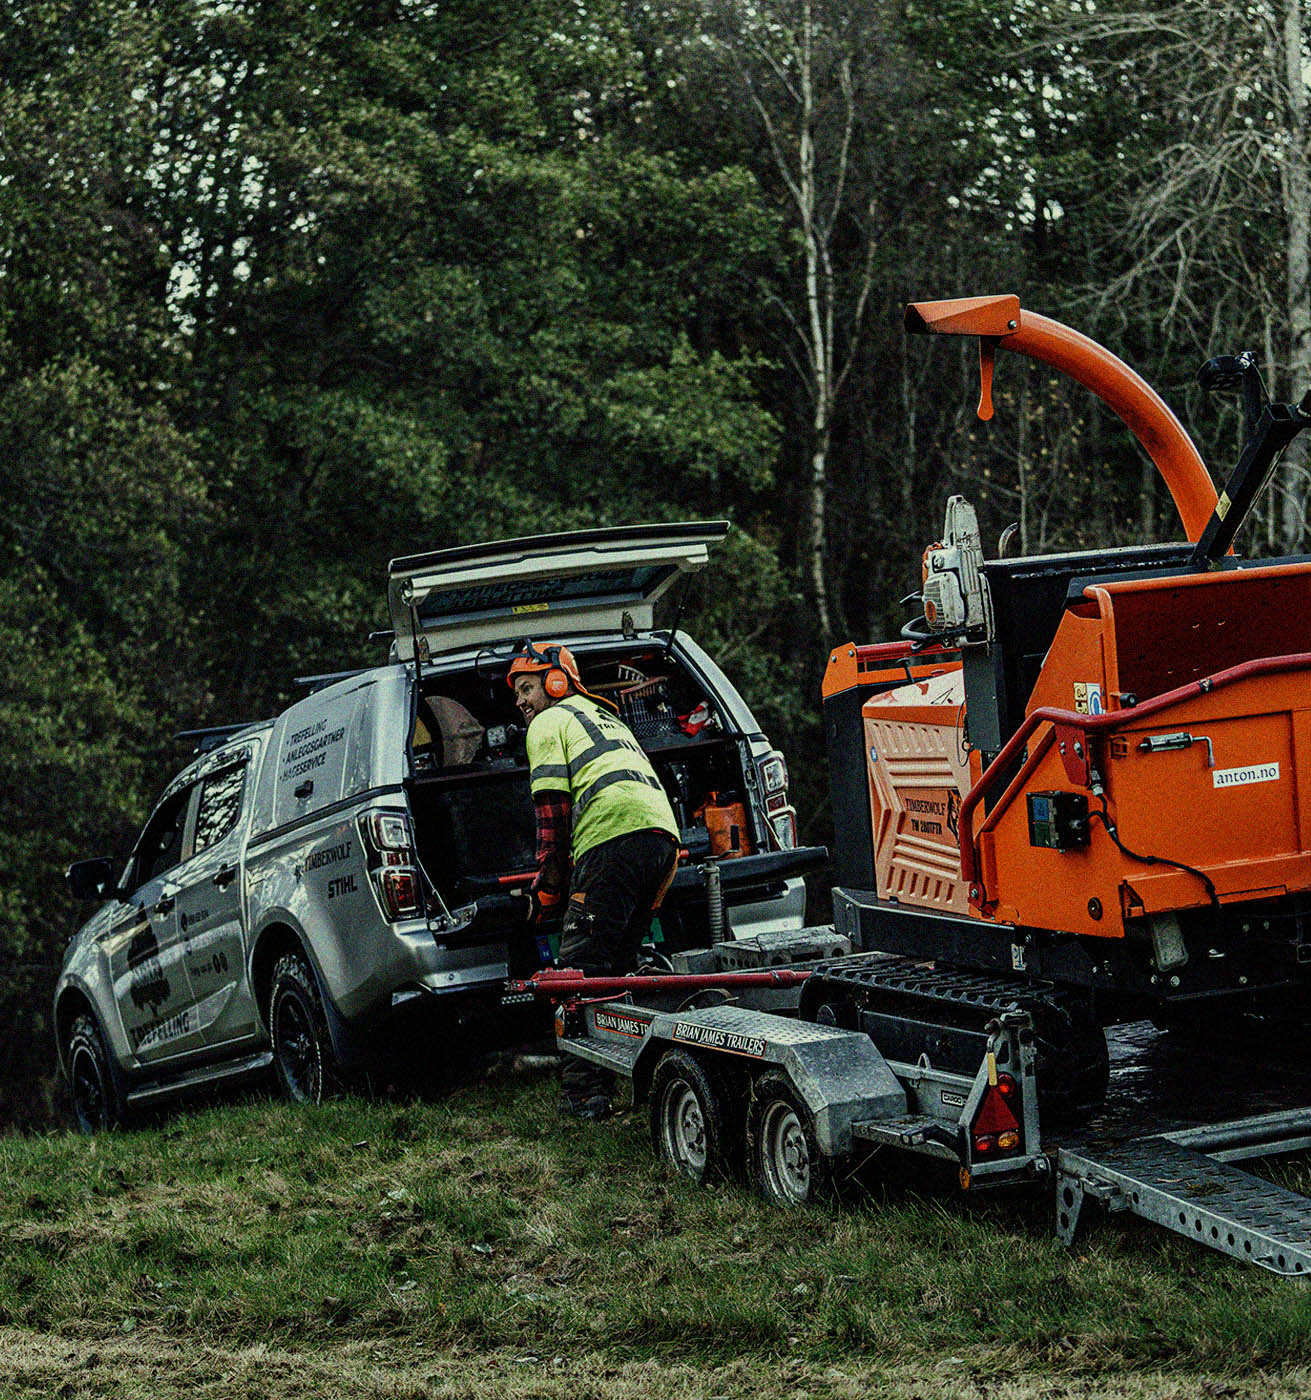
92	1084
687	1118
786	1164
303	1058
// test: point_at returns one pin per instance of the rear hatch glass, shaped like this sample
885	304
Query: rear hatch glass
579	581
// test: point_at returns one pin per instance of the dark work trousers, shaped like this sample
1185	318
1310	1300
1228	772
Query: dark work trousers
612	892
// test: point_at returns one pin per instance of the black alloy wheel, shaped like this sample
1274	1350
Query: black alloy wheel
97	1105
303	1057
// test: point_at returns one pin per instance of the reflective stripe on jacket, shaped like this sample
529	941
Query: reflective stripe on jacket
578	747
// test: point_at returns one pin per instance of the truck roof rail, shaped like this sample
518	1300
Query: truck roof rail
313	683
203	740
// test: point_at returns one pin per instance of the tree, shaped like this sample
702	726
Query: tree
1213	191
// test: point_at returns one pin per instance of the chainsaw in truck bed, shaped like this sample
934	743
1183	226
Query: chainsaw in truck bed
1074	794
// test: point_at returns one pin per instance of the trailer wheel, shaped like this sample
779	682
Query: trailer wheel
687	1118
785	1161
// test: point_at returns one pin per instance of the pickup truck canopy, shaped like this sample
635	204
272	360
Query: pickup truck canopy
541	586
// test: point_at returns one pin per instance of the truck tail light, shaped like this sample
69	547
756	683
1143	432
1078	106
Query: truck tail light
784	825
389	846
399	888
773	770
995	1131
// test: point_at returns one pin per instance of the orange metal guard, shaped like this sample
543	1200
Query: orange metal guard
999	322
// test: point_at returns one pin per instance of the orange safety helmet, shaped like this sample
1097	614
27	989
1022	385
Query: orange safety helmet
560	667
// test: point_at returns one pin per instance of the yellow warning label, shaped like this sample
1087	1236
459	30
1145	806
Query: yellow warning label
1081	697
530	607
1222	505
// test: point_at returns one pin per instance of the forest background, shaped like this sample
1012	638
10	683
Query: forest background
288	289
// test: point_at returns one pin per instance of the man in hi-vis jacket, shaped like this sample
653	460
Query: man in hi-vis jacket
602	811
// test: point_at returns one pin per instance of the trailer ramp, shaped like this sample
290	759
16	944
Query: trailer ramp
1185	1181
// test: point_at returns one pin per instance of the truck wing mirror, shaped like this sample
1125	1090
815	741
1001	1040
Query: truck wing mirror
91	879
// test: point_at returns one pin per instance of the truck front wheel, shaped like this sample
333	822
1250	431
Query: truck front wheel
786	1164
92	1085
303	1058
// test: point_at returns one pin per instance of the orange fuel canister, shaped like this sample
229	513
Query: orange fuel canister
726	821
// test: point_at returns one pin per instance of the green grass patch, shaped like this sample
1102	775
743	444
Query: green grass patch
485	1224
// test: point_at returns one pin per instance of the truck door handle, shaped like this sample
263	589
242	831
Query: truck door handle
165	905
224	875
305	788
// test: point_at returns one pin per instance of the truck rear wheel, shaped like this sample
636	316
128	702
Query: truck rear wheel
687	1118
786	1165
303	1058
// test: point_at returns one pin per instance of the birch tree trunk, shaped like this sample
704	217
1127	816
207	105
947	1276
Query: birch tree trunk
798	60
1297	204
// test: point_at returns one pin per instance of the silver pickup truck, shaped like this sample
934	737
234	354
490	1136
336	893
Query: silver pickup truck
325	889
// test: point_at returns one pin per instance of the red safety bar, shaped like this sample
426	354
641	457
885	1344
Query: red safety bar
566	983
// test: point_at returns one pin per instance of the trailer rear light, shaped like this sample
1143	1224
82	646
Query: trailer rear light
996	1129
400	893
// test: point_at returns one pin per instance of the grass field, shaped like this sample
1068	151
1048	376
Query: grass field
480	1246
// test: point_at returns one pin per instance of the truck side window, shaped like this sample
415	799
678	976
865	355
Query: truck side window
160	847
219	806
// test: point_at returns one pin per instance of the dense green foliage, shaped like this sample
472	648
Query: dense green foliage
289	289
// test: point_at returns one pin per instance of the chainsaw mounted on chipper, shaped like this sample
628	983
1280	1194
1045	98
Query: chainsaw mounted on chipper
1075	793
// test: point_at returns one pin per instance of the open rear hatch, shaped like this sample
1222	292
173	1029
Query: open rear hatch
579	581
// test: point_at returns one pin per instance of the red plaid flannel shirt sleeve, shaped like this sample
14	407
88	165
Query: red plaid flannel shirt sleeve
554	810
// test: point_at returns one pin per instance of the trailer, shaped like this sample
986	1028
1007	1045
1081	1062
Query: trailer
792	1103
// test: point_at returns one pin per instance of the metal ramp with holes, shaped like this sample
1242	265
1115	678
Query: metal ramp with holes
1186	1182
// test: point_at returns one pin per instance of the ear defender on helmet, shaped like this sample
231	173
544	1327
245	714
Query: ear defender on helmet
556	680
555	662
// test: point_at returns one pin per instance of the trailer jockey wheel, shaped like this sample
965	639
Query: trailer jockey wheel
785	1161
687	1118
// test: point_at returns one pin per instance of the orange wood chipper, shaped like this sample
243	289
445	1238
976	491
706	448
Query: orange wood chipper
1090	772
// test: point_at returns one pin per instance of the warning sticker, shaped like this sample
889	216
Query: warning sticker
1240	777
752	1045
1088	698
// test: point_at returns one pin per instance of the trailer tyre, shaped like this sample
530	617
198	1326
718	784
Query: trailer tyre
785	1161
687	1118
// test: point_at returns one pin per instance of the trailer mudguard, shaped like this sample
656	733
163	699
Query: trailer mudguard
839	1075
